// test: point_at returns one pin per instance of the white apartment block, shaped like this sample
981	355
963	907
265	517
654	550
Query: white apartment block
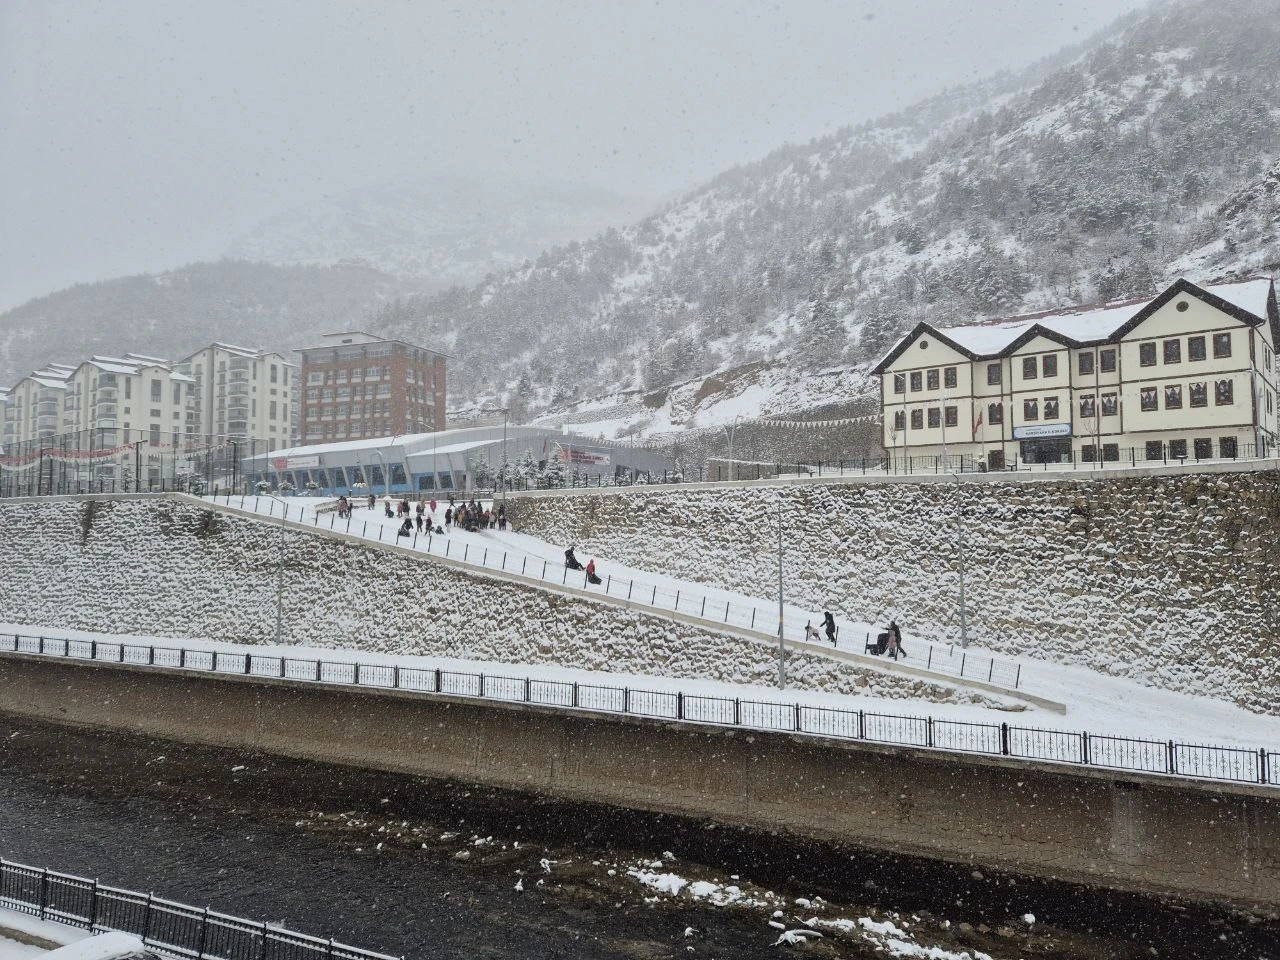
1190	374
242	394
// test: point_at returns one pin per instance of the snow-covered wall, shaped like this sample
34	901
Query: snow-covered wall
166	568
1171	580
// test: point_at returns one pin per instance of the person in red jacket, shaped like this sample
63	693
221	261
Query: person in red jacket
591	572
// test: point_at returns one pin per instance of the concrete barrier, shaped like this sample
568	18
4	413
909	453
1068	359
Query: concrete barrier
1200	841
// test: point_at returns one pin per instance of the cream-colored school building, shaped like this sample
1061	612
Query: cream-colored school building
1190	374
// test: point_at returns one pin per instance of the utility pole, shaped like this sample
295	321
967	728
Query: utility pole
782	652
964	613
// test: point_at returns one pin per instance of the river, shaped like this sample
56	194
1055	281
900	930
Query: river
430	869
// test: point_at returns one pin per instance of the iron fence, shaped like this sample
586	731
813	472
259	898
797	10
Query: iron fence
944	660
170	927
1077	748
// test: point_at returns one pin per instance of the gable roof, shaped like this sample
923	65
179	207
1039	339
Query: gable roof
1251	301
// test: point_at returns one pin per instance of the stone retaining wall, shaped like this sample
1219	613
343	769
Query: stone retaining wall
1171	580
165	568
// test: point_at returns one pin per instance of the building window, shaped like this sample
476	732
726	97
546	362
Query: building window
993	374
1149	399
995	413
1199	394
1085	363
1202	447
899	383
1224	393
1155	450
1049	364
1028	368
1089	453
128	388
949	378
157	391
899	420
935	418
271	410
155	434
1147	354
1088	407
1178	449
917	381
1227	447
275	374
1195	348
1030	409
1221	346
1110	452
932	379
1051	408
315	377
1107	364
917	419
951	416
1173	397
1173	351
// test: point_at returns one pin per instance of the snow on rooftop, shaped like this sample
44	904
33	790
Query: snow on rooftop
1085	324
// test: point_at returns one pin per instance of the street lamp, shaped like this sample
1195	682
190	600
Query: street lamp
280	568
506	465
386	477
782	652
964	614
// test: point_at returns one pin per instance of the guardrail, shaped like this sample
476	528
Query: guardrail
946	661
170	927
1079	748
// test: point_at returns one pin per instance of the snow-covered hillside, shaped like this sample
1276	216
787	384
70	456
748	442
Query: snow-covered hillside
1084	179
444	230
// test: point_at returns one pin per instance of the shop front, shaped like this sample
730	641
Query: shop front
1044	443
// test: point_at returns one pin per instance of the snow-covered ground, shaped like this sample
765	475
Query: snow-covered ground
14	923
513	552
1095	702
1098	704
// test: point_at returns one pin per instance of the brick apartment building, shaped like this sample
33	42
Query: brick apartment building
356	386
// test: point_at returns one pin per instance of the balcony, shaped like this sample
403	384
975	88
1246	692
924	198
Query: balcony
105	410
105	423
106	395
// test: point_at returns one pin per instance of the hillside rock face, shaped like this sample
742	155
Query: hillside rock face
1166	580
169	569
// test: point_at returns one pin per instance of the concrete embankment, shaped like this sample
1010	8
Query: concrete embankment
1167	836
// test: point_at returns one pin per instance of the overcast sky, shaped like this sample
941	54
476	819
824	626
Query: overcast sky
138	135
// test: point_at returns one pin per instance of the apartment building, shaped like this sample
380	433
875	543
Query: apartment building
1190	373
242	394
358	386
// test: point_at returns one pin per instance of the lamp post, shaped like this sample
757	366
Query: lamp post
280	570
386	477
964	613
782	652
506	465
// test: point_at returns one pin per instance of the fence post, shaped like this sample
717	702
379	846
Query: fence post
93	904
737	712
248	663
44	891
575	693
862	725
357	680
929	662
679	705
317	671
1262	764
93	649
704	606
151	655
991	669
482	684
928	731
526	689
262	949
1004	739
1172	761
1084	748
146	923
1017	675
204	934
753	618
799	726
438	680
395	676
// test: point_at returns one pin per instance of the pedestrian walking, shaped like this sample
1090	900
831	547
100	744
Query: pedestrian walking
895	640
448	518
829	624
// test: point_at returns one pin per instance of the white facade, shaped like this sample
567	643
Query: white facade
242	394
1189	374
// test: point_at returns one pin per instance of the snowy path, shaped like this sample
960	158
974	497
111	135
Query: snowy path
527	556
1100	705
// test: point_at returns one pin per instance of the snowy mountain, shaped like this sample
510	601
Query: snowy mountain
1091	176
443	230
175	312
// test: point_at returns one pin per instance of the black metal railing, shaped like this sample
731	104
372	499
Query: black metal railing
1079	748
170	927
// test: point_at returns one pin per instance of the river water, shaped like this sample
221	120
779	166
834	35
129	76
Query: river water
428	869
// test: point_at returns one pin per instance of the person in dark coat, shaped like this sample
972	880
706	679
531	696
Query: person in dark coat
829	625
406	528
448	517
895	640
571	561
